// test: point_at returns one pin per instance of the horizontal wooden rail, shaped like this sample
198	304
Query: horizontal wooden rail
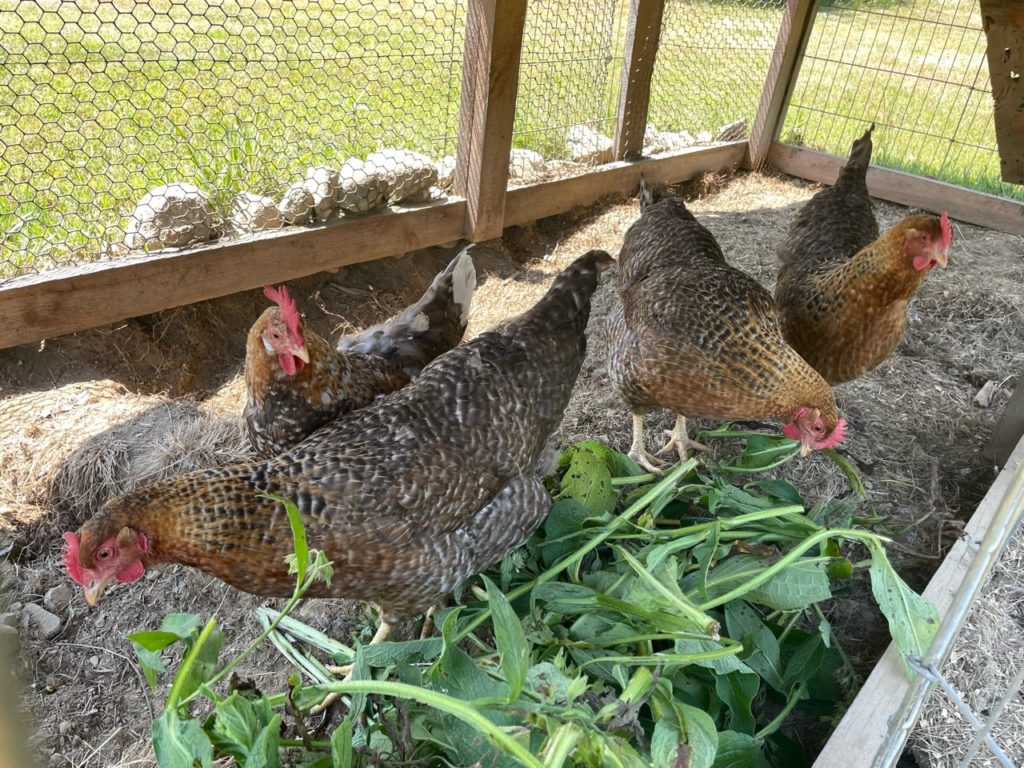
72	299
906	189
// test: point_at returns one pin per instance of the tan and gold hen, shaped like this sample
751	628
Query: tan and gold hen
296	381
697	336
407	497
842	289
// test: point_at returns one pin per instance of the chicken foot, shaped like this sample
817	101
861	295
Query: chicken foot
677	439
638	451
382	633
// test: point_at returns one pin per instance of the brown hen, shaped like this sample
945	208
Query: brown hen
407	497
701	338
842	289
297	382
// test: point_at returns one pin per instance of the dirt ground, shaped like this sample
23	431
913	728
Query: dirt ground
916	433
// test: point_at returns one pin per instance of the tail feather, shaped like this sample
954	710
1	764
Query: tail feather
856	167
428	328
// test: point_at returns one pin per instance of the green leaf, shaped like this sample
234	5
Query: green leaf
763	452
154	640
798	586
722	665
805	661
764	655
700	734
513	649
833	513
665	743
180	743
781	490
341	744
203	664
737	692
913	621
738	750
589	481
562	529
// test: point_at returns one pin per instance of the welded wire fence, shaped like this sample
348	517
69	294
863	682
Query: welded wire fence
915	68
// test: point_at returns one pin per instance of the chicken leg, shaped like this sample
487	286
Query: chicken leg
638	451
679	440
382	633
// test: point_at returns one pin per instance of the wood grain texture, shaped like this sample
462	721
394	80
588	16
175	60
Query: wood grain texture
490	82
1003	22
783	69
61	301
1009	429
642	36
907	189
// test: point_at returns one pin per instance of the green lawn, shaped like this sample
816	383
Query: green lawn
100	102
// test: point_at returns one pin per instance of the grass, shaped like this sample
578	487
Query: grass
101	102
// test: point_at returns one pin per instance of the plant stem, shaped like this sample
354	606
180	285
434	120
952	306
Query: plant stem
773	726
186	666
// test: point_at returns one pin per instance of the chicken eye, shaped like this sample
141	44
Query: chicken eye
819	428
104	554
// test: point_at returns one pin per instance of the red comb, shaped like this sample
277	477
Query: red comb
70	558
947	230
289	312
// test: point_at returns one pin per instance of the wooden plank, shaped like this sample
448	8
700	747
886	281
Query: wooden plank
1009	429
536	201
1003	22
642	36
61	301
865	732
490	82
783	69
907	189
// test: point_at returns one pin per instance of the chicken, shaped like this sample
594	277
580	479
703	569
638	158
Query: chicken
701	338
842	289
407	497
296	382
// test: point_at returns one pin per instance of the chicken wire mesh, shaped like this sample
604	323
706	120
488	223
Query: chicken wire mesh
915	68
210	118
711	68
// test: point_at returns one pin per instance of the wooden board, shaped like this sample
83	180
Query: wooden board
549	198
642	36
907	189
783	69
61	301
1003	22
490	82
865	732
1010	427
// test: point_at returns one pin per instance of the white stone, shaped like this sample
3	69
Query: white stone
325	185
362	187
733	131
525	164
409	174
296	205
252	213
586	145
704	137
46	624
666	141
173	215
446	172
57	599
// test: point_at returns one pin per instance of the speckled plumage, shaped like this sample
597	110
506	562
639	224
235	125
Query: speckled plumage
843	289
282	409
696	335
408	496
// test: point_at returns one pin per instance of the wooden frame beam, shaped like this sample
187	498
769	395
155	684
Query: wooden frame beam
642	37
906	189
783	69
1009	429
1003	22
490	82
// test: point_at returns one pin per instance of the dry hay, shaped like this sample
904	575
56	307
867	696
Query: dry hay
68	450
987	653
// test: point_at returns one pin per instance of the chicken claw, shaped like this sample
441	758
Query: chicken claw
638	452
679	440
381	635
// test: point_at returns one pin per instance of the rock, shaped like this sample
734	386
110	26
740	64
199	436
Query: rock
252	213
586	145
325	185
409	174
9	619
525	164
10	641
704	137
57	599
174	215
64	727
446	172
296	205
46	624
363	187
987	393
666	141
733	131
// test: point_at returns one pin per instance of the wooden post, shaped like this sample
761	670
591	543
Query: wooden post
782	71
1003	21
490	81
642	37
1009	429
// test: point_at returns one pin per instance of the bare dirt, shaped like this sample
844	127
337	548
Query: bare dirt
916	436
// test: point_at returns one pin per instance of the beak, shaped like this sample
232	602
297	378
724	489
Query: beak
95	591
302	353
941	257
805	450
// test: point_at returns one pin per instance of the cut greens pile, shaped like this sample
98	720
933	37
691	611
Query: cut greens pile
670	622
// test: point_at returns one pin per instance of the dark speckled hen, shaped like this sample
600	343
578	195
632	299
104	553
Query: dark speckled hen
701	338
407	497
296	381
843	289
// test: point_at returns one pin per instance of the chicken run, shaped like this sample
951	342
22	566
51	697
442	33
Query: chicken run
96	414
